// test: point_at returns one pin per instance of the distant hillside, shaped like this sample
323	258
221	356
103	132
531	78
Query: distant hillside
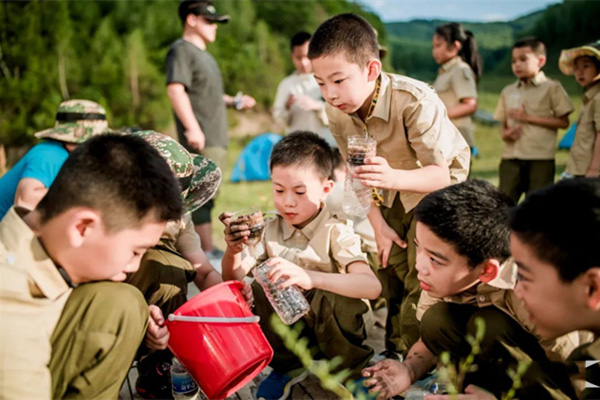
410	42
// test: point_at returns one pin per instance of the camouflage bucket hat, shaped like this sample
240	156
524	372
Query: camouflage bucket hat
195	178
205	182
567	57
76	122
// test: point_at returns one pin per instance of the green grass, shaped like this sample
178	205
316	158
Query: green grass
235	196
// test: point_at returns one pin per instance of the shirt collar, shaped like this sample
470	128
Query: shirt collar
591	92
507	276
382	108
309	230
538	79
21	241
448	65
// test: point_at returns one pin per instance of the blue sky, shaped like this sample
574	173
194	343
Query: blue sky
456	10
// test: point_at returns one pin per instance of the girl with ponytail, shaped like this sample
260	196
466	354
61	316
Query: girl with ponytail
455	50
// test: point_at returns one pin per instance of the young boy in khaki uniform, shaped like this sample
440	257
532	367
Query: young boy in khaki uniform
559	275
61	337
584	63
419	150
312	249
464	265
531	110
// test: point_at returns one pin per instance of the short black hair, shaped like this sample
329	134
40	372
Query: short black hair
561	225
122	176
537	46
303	148
472	216
346	34
299	39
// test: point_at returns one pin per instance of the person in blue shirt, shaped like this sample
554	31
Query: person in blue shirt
26	183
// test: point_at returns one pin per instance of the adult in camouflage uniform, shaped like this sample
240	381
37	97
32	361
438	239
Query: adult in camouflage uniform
167	268
28	181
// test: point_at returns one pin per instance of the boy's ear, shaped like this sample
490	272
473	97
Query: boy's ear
374	69
542	61
327	186
81	224
191	20
592	281
491	267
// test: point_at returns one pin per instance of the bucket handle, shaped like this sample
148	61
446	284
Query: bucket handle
215	320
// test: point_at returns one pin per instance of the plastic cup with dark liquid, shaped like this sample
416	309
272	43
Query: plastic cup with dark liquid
254	219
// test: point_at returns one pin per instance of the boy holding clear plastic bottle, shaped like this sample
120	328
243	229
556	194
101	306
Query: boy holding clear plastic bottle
531	110
418	151
307	247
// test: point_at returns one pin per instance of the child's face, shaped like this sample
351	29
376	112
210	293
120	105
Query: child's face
344	84
441	270
88	253
525	63
298	192
301	60
585	71
442	50
553	305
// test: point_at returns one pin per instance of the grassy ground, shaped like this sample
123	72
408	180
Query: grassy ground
234	196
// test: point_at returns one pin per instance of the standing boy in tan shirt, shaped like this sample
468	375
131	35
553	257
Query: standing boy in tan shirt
418	151
531	111
584	63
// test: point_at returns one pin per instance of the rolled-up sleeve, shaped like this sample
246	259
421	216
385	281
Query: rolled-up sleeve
345	246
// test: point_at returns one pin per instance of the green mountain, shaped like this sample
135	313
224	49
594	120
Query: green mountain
410	42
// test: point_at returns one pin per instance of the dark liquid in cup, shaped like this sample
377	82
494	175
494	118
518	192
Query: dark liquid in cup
255	222
357	154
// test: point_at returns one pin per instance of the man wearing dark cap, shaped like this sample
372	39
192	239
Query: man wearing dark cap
195	89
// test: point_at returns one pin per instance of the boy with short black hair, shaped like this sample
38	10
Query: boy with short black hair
559	264
107	206
465	272
419	150
310	248
584	63
531	111
298	104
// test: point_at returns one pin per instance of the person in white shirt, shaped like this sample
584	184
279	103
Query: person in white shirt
298	103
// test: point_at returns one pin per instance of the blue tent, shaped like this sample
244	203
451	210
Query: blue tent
567	141
253	162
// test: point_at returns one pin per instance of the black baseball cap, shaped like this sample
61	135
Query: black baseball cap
200	7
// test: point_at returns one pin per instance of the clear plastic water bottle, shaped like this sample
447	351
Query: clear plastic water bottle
289	303
357	197
183	386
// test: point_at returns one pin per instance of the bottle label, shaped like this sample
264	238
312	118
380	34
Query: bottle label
183	383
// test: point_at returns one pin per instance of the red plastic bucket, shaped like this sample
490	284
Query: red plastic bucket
221	357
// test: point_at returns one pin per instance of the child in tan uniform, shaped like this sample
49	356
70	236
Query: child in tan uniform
455	50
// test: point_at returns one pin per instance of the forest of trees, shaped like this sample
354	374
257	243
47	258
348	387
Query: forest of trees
113	52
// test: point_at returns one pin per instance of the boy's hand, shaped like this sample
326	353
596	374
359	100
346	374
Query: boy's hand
247	102
235	236
472	392
195	138
157	334
592	173
385	238
376	172
247	293
518	114
512	134
387	378
290	273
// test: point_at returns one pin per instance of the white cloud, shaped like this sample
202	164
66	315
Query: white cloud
494	17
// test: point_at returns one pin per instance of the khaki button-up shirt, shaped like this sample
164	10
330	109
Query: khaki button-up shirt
32	297
500	294
542	97
182	235
326	244
588	127
412	130
456	81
